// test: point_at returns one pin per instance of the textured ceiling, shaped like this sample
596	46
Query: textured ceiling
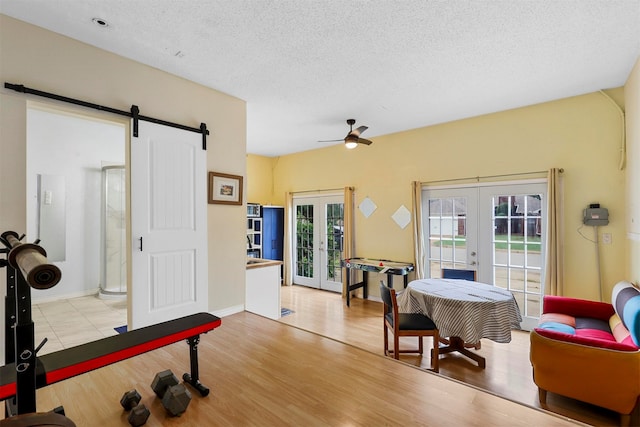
305	66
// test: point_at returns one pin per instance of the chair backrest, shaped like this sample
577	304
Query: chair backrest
452	273
385	294
388	296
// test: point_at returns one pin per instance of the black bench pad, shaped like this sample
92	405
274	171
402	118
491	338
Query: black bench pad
67	363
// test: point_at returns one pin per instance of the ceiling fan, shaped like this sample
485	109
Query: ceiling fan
353	137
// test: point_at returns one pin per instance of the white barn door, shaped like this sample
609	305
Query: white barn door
168	224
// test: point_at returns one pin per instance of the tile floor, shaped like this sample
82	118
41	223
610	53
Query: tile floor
70	322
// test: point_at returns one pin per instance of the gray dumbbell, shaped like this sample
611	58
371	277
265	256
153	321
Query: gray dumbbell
130	399
139	414
175	396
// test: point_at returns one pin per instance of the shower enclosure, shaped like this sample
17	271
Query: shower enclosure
113	281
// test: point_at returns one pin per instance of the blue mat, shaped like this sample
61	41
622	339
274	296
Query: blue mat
121	329
285	312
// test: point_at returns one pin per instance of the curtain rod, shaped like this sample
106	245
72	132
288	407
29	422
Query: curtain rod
318	191
478	178
134	113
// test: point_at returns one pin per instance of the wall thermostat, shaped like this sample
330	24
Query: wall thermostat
595	216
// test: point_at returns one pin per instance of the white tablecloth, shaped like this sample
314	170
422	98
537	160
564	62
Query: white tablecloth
465	309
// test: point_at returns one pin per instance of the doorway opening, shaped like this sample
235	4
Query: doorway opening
66	154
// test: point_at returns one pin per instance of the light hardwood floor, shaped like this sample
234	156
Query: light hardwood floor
266	373
256	367
508	372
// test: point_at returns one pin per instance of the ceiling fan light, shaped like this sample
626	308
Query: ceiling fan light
350	144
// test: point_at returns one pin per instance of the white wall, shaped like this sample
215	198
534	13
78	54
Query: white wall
632	107
50	62
75	148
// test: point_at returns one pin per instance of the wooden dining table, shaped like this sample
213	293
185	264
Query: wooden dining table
464	312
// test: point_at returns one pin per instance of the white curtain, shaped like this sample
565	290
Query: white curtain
348	248
288	228
418	237
554	276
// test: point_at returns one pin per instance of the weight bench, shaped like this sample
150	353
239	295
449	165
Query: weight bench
27	267
64	364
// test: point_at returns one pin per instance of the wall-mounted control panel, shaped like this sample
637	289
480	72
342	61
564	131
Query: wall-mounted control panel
595	216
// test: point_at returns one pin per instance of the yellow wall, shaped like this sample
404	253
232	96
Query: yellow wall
632	108
260	181
582	134
43	60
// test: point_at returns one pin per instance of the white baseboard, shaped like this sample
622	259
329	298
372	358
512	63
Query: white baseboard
228	311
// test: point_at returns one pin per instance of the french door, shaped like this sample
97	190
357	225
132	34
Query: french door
318	241
497	230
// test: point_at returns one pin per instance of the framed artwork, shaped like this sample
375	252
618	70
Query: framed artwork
225	189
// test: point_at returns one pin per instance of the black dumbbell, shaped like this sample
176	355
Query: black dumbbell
139	415
130	399
131	402
175	396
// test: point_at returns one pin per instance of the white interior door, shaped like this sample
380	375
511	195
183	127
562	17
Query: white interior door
168	225
318	241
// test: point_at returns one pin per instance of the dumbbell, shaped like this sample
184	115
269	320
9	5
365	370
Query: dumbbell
131	402
175	397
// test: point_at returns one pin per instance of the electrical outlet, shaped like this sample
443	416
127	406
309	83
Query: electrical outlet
606	238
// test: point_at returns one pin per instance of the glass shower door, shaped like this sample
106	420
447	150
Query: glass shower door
114	254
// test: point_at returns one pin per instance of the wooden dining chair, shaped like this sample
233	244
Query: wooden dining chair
406	325
455	273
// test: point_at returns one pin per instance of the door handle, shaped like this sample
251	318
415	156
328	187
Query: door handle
140	244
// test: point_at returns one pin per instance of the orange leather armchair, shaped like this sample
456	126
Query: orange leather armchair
590	364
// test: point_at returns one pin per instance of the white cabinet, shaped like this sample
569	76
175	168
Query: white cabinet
262	289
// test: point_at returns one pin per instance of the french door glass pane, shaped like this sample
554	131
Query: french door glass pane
517	248
334	239
533	306
500	277
304	239
447	234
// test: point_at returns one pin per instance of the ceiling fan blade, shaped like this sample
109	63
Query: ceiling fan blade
332	140
358	131
364	141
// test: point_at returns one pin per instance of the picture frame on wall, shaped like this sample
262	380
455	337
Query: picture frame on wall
225	189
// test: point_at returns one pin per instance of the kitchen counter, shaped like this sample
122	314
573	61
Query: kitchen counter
262	287
261	262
